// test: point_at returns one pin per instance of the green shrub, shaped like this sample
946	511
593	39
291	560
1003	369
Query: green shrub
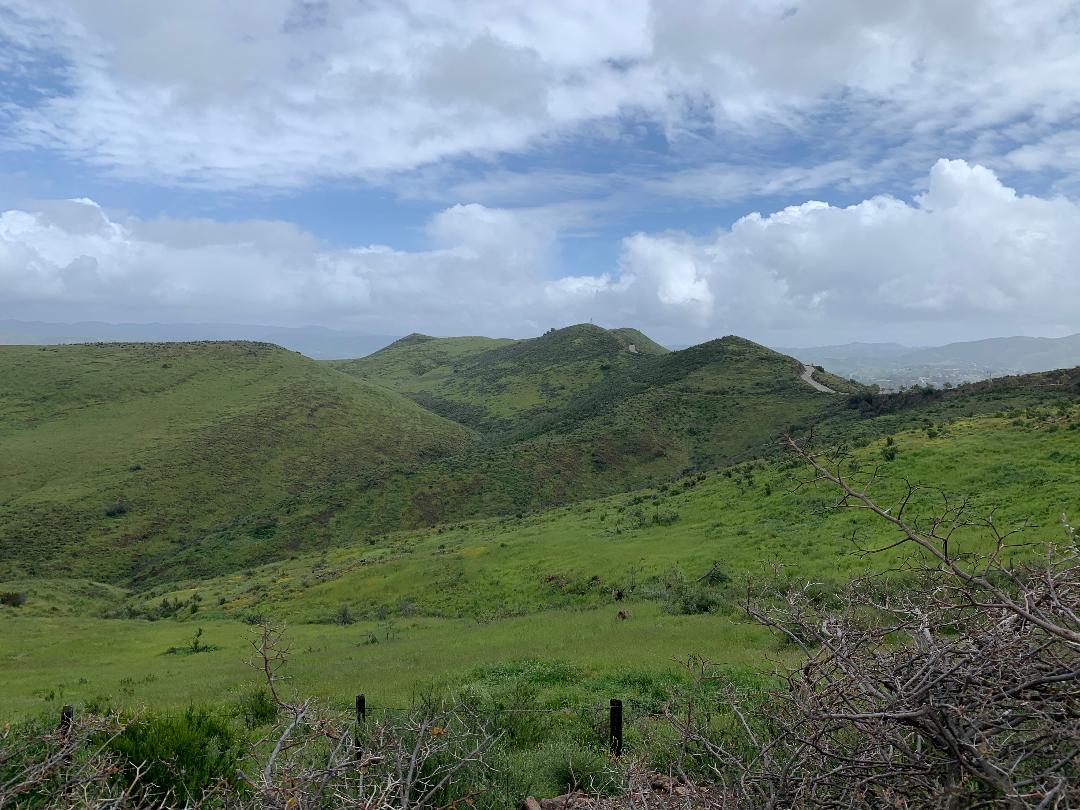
256	708
13	598
180	755
690	598
117	508
344	616
563	766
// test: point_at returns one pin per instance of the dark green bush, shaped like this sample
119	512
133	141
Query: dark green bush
181	755
13	598
256	708
344	616
689	598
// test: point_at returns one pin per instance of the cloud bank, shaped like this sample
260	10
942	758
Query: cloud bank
206	93
969	255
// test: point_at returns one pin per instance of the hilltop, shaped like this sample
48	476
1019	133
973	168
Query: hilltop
500	386
316	342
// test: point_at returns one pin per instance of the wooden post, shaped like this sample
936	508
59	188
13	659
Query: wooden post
361	718
616	727
67	717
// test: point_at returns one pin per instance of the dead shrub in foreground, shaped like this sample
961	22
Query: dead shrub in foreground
961	691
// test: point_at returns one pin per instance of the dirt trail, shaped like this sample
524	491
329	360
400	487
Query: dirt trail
807	372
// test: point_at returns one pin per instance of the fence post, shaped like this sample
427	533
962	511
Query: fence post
616	726
361	718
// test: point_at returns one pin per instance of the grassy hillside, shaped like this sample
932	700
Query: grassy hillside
126	462
457	601
501	387
657	417
144	463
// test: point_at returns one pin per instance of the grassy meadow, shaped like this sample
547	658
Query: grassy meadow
441	605
540	525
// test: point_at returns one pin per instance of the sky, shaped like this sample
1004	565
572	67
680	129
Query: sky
798	173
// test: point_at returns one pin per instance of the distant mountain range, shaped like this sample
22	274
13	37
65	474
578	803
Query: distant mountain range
316	342
892	365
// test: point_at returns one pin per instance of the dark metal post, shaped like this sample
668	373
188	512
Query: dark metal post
361	718
616	727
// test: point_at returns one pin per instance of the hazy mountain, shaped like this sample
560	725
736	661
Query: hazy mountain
314	341
892	365
851	351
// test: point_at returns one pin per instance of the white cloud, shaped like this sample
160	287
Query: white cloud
970	255
968	258
209	92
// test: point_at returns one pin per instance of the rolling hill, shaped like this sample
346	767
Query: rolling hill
146	463
537	524
483	598
117	458
503	386
314	341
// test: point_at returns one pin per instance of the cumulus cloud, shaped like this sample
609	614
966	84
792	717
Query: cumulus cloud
205	92
969	255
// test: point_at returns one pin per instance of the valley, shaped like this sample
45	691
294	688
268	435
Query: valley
229	481
560	515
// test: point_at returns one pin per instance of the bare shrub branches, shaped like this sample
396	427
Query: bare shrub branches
960	690
314	758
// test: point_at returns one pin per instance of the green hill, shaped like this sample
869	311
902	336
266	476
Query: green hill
501	387
123	462
497	594
135	463
621	421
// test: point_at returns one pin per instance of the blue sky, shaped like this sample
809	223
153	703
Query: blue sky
796	172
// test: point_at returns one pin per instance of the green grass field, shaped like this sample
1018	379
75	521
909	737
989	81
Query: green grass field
151	490
447	604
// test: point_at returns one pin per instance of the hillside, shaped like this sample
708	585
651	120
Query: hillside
119	459
501	386
496	595
657	417
140	463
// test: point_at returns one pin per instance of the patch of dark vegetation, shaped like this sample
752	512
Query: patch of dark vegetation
13	598
117	508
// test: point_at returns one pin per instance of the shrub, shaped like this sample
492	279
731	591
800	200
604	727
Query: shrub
13	598
180	756
565	766
344	616
117	508
256	708
682	597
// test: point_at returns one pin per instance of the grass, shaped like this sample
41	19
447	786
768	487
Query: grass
447	603
152	490
124	663
142	464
